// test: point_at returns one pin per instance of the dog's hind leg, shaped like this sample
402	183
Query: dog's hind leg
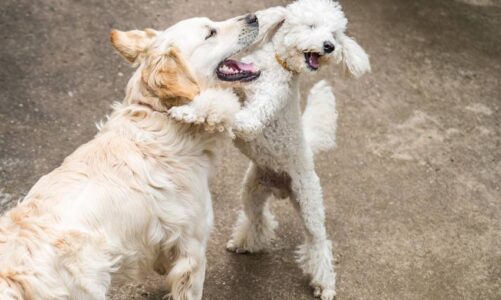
186	278
255	227
315	255
186	272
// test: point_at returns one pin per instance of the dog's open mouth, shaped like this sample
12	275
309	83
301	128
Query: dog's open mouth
233	70
311	59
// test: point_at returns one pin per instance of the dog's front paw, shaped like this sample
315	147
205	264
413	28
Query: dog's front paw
216	122
186	114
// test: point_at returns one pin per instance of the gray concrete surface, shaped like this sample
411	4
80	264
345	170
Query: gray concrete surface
412	191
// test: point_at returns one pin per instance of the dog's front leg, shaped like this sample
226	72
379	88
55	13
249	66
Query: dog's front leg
213	108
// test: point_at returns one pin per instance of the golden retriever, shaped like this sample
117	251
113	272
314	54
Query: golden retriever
136	197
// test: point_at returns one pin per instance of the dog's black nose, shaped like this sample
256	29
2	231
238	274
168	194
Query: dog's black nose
251	19
328	47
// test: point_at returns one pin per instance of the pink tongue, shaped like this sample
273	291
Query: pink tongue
246	67
313	60
243	66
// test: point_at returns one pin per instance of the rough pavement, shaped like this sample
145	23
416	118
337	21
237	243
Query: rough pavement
412	191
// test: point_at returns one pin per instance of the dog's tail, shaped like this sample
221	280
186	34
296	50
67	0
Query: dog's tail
320	118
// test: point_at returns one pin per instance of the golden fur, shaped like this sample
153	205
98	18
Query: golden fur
136	197
166	77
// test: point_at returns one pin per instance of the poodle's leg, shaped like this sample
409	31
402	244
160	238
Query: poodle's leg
255	227
315	255
186	278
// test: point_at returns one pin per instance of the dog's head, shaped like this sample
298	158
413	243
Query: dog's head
175	64
314	32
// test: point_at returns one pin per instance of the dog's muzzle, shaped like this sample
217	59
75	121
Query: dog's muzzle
234	70
251	20
249	31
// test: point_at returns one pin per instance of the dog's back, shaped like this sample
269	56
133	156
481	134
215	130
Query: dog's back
107	210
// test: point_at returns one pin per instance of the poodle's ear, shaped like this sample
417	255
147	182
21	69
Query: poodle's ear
130	44
354	58
170	79
270	21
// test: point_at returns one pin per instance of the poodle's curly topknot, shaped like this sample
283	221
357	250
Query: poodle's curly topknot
317	12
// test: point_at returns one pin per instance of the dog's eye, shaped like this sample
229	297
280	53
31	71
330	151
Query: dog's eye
312	26
212	32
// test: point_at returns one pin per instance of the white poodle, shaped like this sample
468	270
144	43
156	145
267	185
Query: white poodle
279	143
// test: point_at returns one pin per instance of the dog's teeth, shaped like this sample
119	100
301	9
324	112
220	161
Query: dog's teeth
229	70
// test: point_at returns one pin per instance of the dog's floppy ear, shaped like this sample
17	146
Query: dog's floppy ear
130	44
354	58
169	78
270	21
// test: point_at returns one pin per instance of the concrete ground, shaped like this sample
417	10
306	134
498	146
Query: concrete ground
412	191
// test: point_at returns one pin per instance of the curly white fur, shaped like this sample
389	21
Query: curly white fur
280	145
320	118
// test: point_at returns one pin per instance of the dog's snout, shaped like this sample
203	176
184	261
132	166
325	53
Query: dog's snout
328	47
251	19
249	29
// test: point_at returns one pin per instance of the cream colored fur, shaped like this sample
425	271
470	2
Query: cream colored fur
136	197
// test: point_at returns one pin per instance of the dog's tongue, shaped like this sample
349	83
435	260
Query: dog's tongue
234	64
313	60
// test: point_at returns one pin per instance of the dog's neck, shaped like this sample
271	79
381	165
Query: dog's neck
138	93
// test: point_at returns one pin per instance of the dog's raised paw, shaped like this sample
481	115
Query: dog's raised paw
184	114
214	119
